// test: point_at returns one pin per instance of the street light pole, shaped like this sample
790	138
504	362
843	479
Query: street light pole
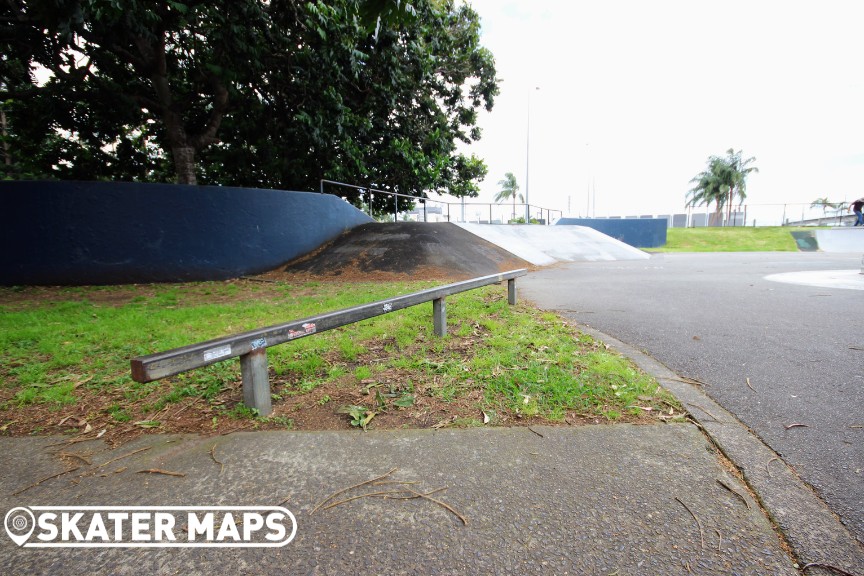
528	158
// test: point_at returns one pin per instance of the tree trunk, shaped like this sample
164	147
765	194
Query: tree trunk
729	207
184	164
6	154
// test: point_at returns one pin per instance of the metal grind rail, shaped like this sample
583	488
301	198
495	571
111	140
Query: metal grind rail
251	347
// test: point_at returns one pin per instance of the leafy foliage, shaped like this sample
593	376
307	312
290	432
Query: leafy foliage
723	180
272	94
509	190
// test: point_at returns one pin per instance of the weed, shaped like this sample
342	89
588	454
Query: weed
362	373
359	415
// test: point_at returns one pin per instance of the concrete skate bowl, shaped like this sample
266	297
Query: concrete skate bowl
406	250
839	240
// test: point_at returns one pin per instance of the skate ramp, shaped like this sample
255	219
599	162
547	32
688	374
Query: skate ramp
415	250
545	245
841	239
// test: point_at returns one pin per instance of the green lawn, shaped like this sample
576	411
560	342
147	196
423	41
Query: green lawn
65	353
733	239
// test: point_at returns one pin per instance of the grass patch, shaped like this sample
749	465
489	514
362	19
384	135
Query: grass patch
64	347
732	239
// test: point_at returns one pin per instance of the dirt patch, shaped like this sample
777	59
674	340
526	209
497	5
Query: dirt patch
407	250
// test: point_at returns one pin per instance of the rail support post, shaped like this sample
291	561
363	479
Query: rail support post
511	291
256	385
439	316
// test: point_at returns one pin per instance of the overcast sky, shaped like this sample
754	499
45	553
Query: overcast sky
635	96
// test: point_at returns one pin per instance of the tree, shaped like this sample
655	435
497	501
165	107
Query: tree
723	180
825	204
509	189
276	94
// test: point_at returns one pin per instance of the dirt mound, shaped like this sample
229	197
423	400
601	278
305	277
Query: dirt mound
407	249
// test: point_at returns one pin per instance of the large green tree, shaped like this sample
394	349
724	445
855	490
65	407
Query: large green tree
276	94
724	179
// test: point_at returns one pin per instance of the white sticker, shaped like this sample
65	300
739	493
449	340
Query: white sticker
215	353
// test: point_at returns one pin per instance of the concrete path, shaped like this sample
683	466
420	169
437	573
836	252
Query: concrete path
717	319
544	245
597	500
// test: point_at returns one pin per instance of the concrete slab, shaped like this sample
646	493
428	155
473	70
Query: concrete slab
607	499
545	245
841	239
846	279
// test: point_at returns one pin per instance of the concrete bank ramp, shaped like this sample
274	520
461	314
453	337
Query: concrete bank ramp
841	239
545	245
414	249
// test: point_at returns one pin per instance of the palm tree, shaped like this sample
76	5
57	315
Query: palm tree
509	189
735	177
725	178
708	188
825	204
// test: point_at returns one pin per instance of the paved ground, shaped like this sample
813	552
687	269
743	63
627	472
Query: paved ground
715	318
589	500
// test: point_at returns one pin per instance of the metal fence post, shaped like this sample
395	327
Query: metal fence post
256	385
511	291
439	316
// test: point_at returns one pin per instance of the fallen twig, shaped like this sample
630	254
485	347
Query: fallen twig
368	494
74	455
188	405
384	483
213	457
45	480
535	432
749	386
688	381
827	567
733	491
237	429
698	523
158	471
124	456
351	488
72	441
720	540
796	425
412	497
443	504
705	410
768	465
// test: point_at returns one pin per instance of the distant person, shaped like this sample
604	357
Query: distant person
856	207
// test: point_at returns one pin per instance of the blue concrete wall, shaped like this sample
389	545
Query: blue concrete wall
637	232
76	233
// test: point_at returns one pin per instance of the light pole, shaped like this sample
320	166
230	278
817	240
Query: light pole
528	158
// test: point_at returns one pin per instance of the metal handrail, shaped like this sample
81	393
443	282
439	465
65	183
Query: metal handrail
251	347
424	199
